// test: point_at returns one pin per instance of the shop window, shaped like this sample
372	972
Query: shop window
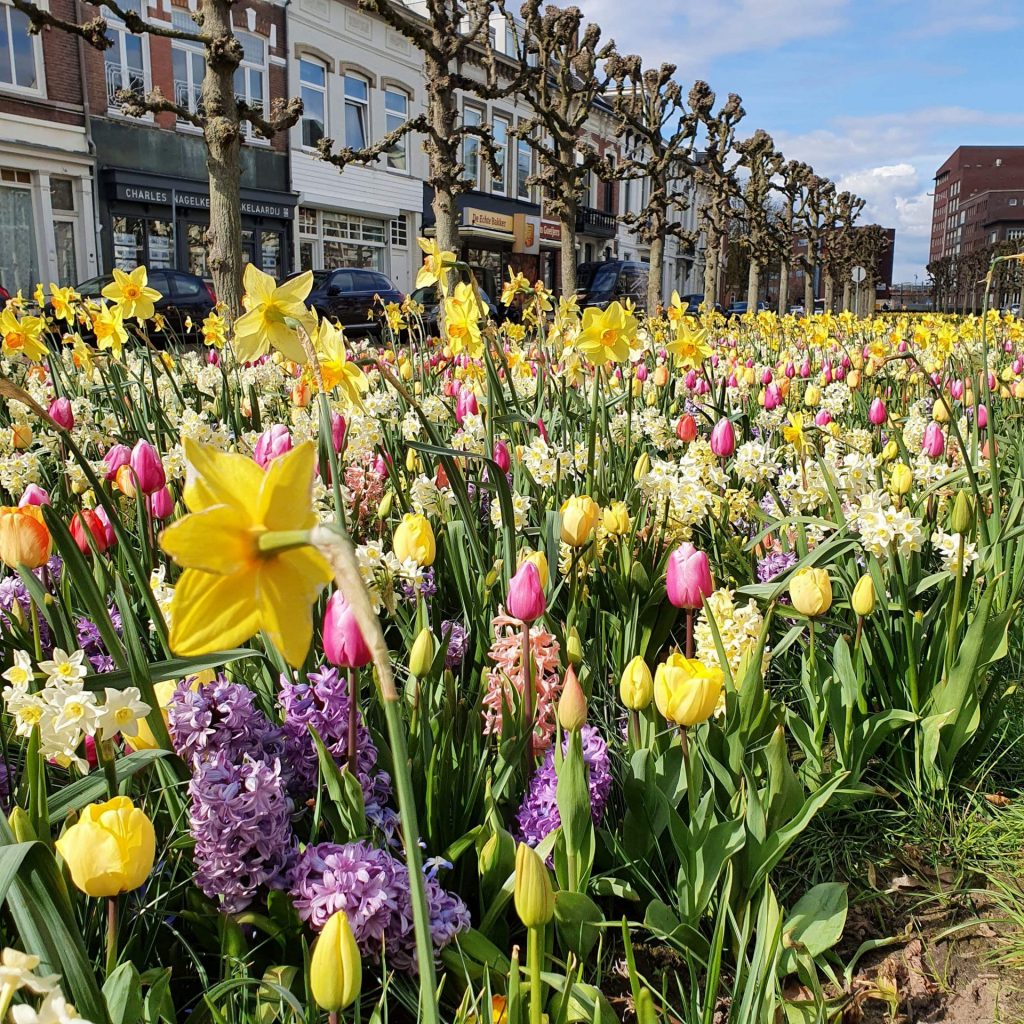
18	56
307	221
125	61
357	104
141	240
471	118
524	169
306	256
65	229
197	254
270	253
396	113
499	130
313	88
19	266
399	233
250	76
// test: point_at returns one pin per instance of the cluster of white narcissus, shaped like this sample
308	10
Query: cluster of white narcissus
17	976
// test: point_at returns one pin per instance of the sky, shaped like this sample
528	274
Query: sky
875	94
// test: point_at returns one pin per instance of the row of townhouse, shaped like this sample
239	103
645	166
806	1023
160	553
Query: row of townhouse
84	188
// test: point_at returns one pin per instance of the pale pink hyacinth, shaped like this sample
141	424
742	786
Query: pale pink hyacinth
506	652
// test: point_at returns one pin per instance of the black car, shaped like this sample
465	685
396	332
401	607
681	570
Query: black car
182	296
429	298
738	309
692	303
600	284
348	295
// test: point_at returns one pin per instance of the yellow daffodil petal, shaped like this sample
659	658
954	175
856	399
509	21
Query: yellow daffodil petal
287	587
213	613
220	478
284	498
213	540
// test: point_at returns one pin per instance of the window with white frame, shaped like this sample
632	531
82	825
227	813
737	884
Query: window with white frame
18	53
1015	234
125	61
499	130
313	90
251	75
524	168
189	65
19	265
400	233
357	111
396	113
471	118
329	239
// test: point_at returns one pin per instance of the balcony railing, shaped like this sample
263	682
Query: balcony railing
120	78
593	222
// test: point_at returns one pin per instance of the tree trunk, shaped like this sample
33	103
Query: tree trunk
753	284
446	221
846	296
656	274
567	219
711	268
443	153
783	303
223	143
808	286
830	288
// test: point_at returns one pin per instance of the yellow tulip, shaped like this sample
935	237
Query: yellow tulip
110	849
810	590
902	479
579	519
164	690
24	538
335	969
540	560
863	599
421	657
21	436
636	687
534	897
686	690
414	540
615	519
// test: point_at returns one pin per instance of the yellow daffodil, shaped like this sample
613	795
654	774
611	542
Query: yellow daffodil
39	296
236	580
338	371
81	353
462	313
436	262
267	305
689	347
515	285
63	302
22	336
794	433
214	327
607	334
108	326
132	294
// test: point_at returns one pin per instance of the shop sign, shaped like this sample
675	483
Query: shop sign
144	194
550	232
527	234
473	218
251	207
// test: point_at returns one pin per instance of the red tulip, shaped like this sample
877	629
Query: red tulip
88	520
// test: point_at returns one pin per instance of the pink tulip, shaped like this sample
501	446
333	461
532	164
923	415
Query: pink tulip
274	441
690	379
465	405
543	430
846	362
1018	365
790	370
902	346
723	439
61	414
991	381
213	357
827	373
823	418
119	455
805	369
956	389
344	645
338	429
772	397
108	529
641	373
34	495
502	456
934	443
161	504
982	416
766	376
876	413
147	467
732	382
526	599
688	577
703	387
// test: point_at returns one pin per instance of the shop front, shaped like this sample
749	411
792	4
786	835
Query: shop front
162	222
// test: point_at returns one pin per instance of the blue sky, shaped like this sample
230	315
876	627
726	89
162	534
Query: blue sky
873	93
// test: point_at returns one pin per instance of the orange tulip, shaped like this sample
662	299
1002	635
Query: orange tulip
24	538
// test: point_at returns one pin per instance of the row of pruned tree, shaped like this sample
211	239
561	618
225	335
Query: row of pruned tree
958	281
561	70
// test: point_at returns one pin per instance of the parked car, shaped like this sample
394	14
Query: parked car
348	295
182	296
430	299
738	309
692	303
599	284
4	296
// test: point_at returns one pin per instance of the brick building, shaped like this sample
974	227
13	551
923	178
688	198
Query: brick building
978	200
151	178
47	230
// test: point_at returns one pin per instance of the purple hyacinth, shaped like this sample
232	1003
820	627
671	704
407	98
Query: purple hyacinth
774	565
426	587
241	822
372	887
457	636
538	814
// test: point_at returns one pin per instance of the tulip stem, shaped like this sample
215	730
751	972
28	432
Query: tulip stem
332	1017
634	724
353	722
954	609
534	938
527	701
689	632
111	935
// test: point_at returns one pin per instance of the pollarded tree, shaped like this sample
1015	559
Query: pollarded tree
451	35
870	243
837	250
762	162
221	117
812	213
790	185
716	176
562	55
653	120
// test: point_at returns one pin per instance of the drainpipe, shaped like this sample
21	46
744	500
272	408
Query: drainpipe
97	227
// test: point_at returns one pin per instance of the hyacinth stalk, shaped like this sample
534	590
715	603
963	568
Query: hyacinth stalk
336	547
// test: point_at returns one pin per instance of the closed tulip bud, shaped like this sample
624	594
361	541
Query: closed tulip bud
660	376
21	825
540	560
344	645
890	451
300	394
877	413
573	647
723	439
21	436
34	495
405	370
124	481
636	686
110	849
24	538
534	897
161	504
642	467
422	655
982	417
338	429
84	523
384	508
118	456
863	599
772	397
810	590
497	858
526	600
686	428
686	690
615	519
412	461
934	442
812	396
335	969
940	412
641	372
580	514
414	540
572	704
147	467
688	577
273	442
901	479
502	457
61	414
962	517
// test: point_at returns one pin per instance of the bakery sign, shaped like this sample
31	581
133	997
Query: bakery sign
488	219
550	232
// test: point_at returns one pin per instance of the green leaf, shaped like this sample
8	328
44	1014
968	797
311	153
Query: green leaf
576	919
75	795
123	993
815	923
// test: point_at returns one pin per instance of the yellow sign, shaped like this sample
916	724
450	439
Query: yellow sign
473	218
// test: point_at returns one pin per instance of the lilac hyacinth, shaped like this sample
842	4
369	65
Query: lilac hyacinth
538	814
774	565
457	636
372	887
241	822
13	592
426	586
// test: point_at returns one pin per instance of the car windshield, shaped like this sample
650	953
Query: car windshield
91	289
426	296
604	279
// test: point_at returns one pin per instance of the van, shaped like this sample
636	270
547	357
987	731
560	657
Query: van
599	284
